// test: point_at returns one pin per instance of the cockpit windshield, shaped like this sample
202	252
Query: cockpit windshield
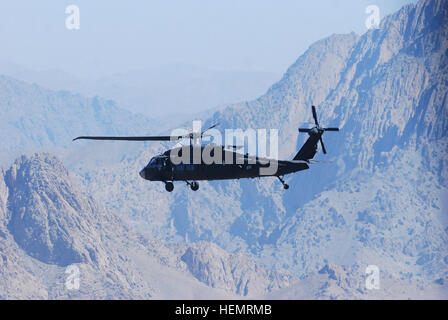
152	163
156	162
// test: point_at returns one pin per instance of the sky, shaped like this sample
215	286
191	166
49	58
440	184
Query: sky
117	36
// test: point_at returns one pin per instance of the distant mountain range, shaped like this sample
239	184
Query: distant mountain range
381	201
32	116
170	93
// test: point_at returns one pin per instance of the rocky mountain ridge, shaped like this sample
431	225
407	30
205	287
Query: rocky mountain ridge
49	224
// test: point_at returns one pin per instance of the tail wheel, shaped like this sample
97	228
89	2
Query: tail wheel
169	186
194	186
285	185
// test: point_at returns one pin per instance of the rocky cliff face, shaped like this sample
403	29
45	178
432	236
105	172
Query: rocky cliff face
232	272
49	215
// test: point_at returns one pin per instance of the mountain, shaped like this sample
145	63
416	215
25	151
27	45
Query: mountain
34	117
150	91
49	225
381	201
232	272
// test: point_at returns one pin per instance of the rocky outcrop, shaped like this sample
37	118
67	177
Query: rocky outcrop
49	227
232	272
49	217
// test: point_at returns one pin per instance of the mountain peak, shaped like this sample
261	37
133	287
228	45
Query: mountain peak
49	217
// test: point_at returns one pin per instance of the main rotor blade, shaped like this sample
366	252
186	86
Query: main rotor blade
195	135
213	126
323	146
313	108
148	138
304	130
331	129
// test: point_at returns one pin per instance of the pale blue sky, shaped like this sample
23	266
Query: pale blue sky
263	35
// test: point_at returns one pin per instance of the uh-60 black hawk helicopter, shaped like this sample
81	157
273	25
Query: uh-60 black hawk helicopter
163	168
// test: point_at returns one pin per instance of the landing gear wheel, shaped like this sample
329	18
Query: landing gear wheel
285	185
194	186
169	186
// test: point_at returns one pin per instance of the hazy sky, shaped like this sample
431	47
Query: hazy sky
114	36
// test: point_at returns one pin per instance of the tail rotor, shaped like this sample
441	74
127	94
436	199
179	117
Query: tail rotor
317	129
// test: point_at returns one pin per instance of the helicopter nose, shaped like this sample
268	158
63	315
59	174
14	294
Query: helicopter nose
142	174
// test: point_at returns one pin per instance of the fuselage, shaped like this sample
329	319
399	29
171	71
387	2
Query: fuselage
233	165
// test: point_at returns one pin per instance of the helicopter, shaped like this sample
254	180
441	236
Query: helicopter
167	168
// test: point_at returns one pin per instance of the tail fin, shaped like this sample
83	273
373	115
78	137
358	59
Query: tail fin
308	150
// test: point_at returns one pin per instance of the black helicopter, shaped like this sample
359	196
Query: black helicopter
163	168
